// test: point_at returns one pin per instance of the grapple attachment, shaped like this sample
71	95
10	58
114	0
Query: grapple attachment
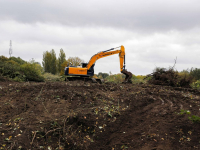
128	76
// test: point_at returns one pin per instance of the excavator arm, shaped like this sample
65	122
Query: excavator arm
118	50
106	53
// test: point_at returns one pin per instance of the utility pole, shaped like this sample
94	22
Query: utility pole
10	49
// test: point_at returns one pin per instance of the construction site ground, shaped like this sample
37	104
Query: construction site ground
90	116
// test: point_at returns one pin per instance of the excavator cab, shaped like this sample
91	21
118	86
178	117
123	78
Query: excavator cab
90	72
80	71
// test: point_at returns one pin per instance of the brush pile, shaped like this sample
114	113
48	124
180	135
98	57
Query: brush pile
169	77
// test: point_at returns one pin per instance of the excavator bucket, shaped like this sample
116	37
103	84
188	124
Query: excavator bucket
128	76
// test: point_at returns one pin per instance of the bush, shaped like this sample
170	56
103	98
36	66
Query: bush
103	75
196	84
51	77
31	72
9	69
19	70
19	79
194	118
195	73
169	77
140	79
3	58
117	78
184	74
17	60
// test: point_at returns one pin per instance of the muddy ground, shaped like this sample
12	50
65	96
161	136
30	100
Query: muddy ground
89	116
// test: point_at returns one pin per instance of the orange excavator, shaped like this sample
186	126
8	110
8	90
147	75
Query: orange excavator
87	69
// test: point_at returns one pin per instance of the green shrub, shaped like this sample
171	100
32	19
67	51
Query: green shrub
3	58
184	112
117	78
17	60
140	79
19	79
103	75
133	77
19	70
9	69
195	73
194	118
51	77
31	72
196	85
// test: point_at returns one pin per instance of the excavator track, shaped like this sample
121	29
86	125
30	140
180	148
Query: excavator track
128	76
85	79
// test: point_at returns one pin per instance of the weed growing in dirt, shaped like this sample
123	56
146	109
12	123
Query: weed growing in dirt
124	147
184	112
193	118
196	85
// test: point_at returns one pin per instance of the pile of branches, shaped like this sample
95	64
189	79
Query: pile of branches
2	78
168	77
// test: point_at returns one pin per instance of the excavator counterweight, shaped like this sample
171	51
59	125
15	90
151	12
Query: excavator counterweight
87	69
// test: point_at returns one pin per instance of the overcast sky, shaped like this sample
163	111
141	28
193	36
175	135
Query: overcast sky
153	32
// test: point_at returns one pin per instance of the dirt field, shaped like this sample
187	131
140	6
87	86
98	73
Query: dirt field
85	116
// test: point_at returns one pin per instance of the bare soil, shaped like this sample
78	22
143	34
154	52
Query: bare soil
89	116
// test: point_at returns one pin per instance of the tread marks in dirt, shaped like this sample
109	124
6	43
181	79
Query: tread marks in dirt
91	116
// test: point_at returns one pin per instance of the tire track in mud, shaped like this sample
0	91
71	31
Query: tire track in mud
107	116
151	118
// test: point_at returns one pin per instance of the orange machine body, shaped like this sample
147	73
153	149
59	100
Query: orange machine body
77	71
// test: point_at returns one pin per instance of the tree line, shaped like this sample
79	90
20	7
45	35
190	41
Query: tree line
19	70
54	65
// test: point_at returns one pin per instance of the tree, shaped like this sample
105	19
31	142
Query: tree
75	61
18	60
195	73
32	72
61	59
47	61
104	75
37	65
63	65
53	62
19	70
50	62
3	58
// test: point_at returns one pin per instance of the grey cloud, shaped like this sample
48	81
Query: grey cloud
133	15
